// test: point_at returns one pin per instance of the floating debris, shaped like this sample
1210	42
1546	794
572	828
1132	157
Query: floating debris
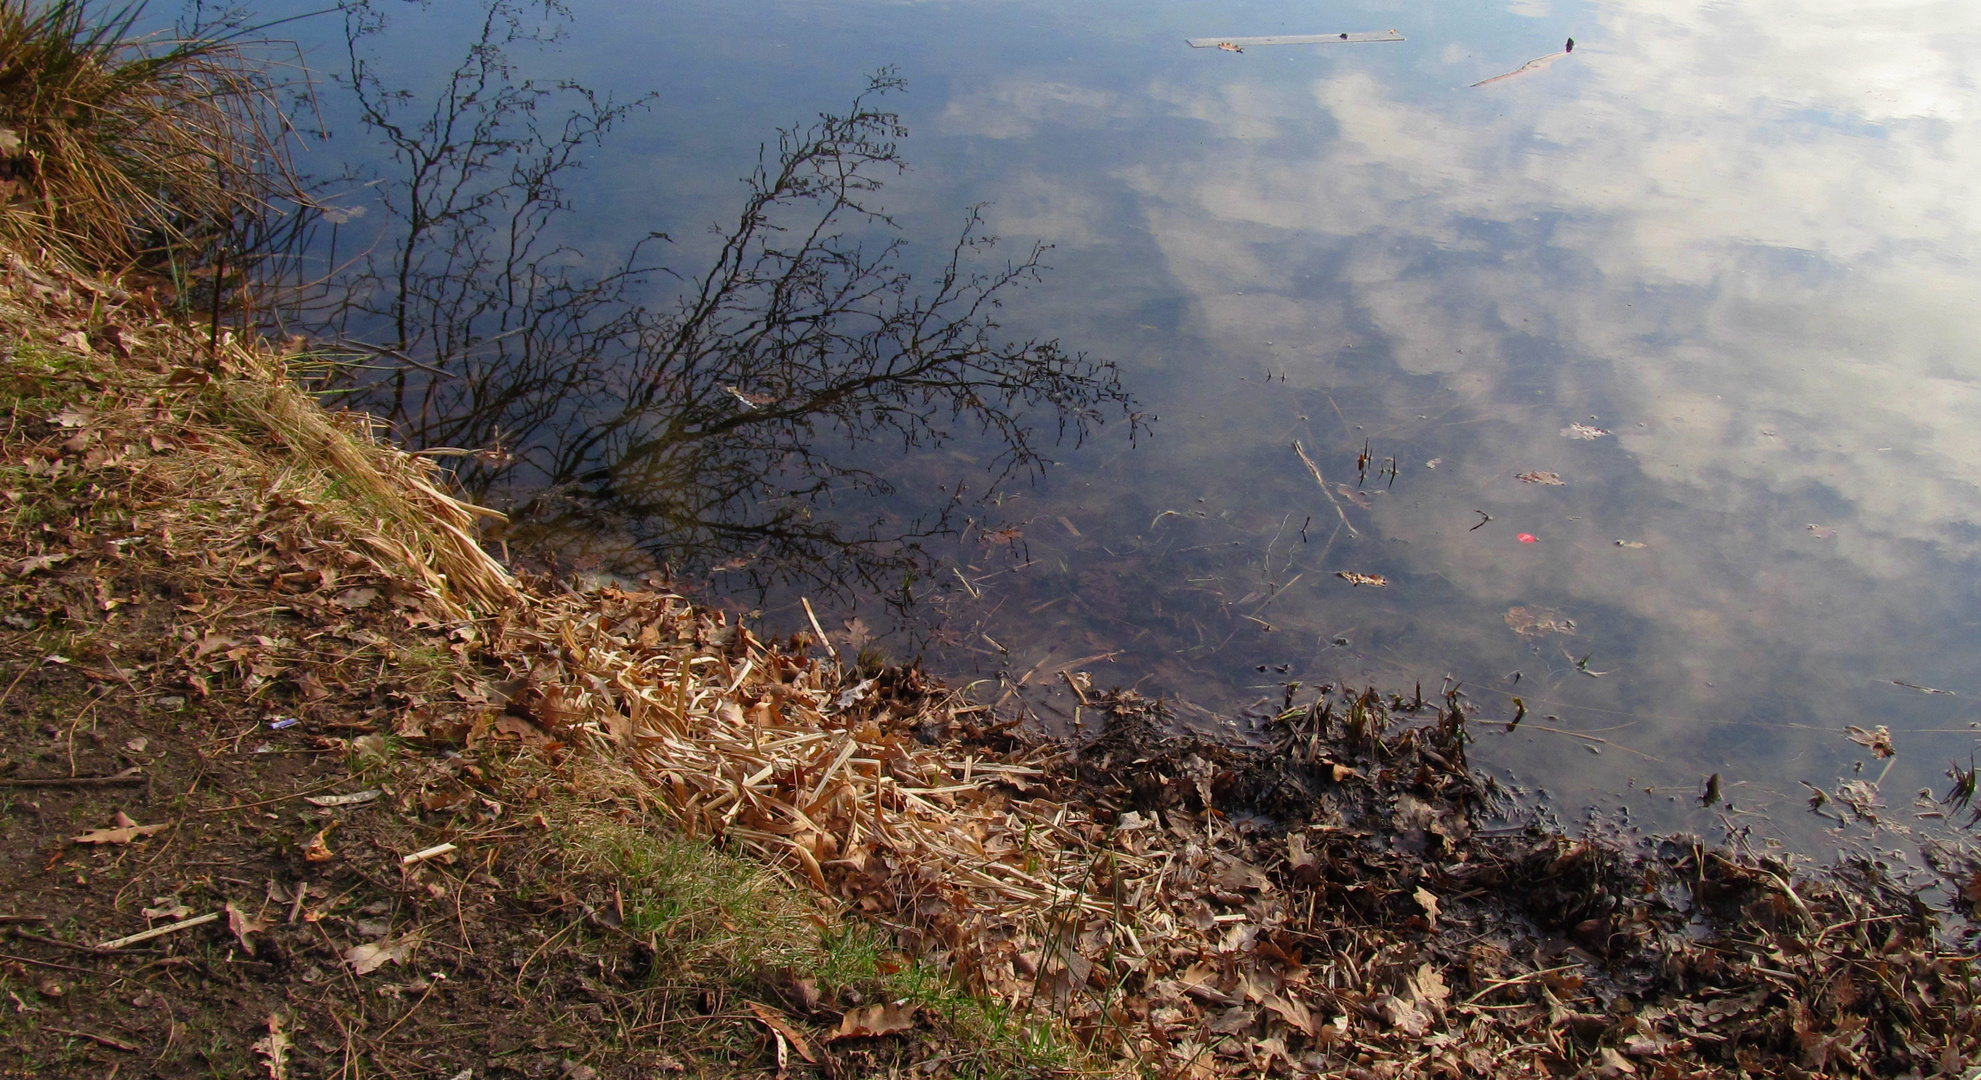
1237	44
1546	479
1353	578
1630	543
1529	67
1315	470
1921	689
1583	431
1877	740
1538	621
1820	532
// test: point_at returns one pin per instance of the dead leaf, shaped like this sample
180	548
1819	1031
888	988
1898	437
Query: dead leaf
1583	431
166	907
1879	741
1295	1013
875	1020
1353	578
521	730
857	633
125	831
39	562
1404	1016
367	958
355	599
1427	988
243	924
1546	479
1430	905
1652	1045
776	1022
318	849
275	1047
1234	1020
1611	1063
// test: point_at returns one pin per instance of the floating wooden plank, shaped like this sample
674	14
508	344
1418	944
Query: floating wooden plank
1297	39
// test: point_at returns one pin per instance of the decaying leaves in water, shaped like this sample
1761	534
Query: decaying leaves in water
1862	798
1353	578
124	831
1072	882
1547	479
876	1020
1583	431
1536	621
1229	47
1877	740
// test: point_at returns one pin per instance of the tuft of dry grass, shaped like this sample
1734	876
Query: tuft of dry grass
118	149
151	387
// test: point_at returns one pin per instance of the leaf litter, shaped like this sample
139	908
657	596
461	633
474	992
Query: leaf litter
1324	902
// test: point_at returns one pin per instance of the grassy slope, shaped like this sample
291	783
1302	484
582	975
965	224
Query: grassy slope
191	555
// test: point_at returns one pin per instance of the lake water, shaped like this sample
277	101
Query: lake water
1708	281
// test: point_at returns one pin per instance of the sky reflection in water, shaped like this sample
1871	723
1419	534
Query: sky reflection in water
1738	237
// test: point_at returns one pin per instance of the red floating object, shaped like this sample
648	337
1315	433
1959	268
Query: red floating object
1528	538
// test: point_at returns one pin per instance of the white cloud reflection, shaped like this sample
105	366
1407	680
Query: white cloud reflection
1748	232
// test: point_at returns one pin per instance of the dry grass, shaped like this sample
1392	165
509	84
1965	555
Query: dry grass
254	431
120	149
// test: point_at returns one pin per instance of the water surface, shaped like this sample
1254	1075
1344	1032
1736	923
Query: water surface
1713	272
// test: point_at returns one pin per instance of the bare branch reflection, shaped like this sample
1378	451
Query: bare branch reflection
738	416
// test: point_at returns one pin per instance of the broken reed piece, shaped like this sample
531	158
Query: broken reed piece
103	1040
424	854
128	776
824	642
161	931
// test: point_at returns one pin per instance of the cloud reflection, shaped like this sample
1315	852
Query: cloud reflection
1745	236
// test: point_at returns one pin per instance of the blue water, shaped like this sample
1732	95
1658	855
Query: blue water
1734	240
